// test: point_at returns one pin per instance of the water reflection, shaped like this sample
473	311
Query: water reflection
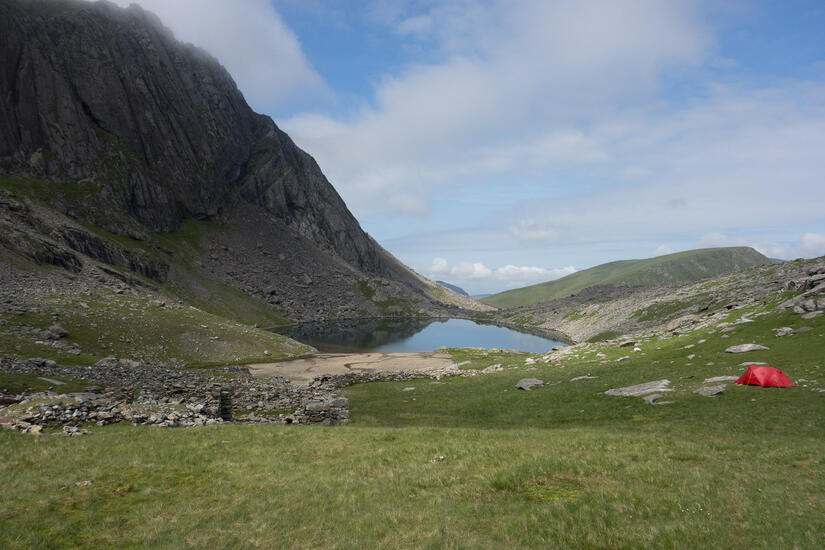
411	335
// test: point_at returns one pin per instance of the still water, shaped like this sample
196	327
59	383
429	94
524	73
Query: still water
411	335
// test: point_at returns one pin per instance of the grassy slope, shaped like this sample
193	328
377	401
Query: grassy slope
691	265
128	326
561	466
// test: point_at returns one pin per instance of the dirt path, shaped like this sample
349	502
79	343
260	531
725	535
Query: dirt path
302	371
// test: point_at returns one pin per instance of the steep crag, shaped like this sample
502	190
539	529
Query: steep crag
113	134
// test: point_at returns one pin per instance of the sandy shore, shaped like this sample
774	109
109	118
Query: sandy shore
302	371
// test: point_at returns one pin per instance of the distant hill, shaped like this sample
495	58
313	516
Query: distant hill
454	288
688	266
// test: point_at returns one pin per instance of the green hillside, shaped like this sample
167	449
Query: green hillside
688	266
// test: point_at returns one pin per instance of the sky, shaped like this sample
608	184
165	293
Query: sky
496	144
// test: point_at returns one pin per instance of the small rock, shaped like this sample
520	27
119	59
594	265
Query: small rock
749	363
710	391
813	315
653	399
783	331
627	343
58	332
527	383
588	377
529	361
493	368
721	379
409	388
802	329
620	359
742	348
691	356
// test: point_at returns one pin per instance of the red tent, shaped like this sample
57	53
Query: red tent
765	376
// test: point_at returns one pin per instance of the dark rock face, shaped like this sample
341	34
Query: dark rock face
156	131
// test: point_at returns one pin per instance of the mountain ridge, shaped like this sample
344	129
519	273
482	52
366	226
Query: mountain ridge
685	266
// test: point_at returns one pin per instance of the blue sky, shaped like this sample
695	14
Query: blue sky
494	144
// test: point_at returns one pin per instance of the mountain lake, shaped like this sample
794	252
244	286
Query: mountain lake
413	335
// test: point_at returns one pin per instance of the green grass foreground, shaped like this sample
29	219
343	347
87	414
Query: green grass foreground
562	466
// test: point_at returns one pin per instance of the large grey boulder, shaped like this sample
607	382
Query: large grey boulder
527	383
743	348
640	389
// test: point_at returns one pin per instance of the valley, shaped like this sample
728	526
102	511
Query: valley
200	346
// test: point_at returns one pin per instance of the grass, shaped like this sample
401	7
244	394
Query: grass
664	310
602	336
127	326
562	466
16	383
691	265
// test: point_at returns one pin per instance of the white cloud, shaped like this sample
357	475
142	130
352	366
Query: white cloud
505	77
813	245
736	162
251	40
663	250
478	278
534	231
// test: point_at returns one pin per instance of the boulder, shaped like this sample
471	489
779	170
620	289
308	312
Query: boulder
813	315
640	389
627	344
527	383
493	368
783	331
743	348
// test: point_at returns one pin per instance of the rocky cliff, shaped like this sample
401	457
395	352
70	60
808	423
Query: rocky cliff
120	133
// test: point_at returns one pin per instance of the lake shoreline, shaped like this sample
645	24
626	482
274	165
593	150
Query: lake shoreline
421	334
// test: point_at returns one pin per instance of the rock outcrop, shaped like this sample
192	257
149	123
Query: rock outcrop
110	123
